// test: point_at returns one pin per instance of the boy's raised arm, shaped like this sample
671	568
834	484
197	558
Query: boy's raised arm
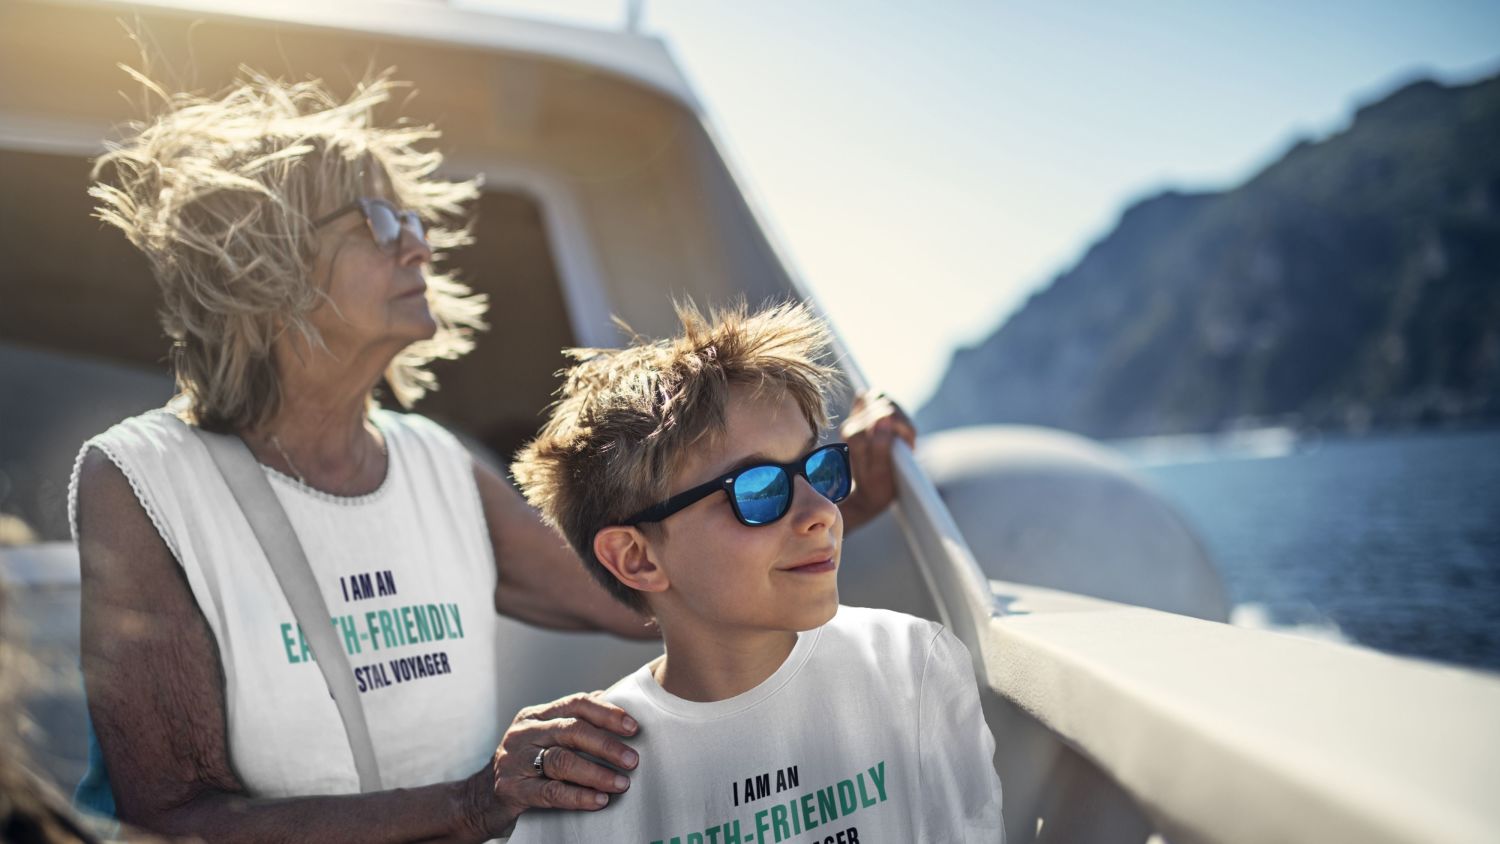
874	423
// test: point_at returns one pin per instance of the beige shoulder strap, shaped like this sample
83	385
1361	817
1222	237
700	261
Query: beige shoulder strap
277	538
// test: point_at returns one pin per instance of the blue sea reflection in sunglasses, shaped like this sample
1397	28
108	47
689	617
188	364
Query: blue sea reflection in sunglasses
762	493
384	219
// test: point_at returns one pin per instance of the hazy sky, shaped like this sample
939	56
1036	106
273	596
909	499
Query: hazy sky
928	165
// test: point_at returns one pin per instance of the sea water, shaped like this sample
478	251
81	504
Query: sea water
1389	541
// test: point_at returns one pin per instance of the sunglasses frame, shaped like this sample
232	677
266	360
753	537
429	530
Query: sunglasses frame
406	220
797	468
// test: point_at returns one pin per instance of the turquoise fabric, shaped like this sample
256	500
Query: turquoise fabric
94	794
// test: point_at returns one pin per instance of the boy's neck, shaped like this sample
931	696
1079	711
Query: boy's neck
706	666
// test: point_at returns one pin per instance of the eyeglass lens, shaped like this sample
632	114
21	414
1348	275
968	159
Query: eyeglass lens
386	223
763	494
828	472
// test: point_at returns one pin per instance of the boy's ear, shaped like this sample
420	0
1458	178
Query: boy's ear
625	551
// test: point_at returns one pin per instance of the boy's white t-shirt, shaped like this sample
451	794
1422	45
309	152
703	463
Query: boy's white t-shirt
869	733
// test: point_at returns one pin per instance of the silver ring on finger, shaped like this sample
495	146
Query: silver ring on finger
539	763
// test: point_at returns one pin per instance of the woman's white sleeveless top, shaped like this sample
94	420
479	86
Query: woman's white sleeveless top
408	575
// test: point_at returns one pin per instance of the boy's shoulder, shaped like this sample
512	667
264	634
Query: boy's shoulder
859	639
891	646
887	627
628	684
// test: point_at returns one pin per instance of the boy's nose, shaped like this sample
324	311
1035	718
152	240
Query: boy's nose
810	509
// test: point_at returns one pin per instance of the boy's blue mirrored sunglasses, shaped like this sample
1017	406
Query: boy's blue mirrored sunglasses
384	219
762	493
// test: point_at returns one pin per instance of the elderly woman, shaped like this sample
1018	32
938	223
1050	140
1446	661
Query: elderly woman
292	239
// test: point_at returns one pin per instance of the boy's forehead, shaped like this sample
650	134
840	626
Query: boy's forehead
766	423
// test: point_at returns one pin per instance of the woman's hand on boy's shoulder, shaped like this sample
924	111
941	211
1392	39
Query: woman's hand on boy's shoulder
874	423
543	763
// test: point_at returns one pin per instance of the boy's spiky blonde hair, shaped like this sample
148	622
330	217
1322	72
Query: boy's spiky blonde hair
220	193
625	419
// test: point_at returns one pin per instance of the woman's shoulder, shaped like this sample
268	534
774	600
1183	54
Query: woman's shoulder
159	432
422	438
150	453
414	426
154	440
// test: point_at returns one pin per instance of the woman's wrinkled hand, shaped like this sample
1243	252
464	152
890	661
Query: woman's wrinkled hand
566	729
873	424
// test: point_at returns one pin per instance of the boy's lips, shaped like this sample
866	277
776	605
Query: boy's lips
821	563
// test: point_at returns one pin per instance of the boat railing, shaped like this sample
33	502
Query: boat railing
1214	733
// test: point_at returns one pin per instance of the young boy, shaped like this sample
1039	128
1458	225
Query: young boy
689	477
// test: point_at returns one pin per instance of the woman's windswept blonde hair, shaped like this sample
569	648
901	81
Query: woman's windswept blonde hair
220	194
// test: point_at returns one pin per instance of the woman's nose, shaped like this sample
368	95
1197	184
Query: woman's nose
412	249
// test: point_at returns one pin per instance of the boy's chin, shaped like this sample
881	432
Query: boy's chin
816	617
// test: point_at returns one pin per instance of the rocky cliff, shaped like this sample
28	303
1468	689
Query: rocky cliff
1353	283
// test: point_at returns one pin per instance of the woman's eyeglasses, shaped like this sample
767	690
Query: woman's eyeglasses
384	219
762	494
